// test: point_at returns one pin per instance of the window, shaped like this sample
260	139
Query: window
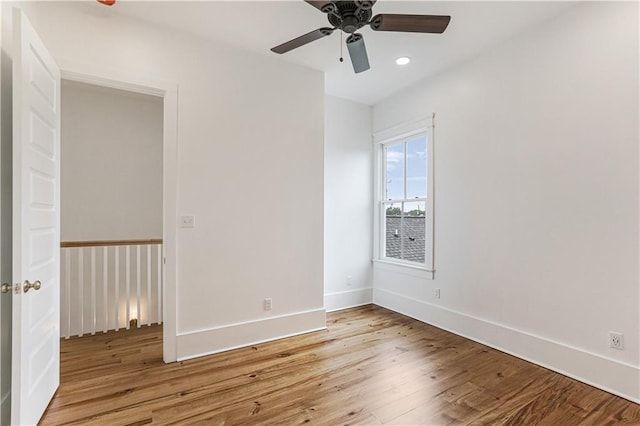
405	204
405	189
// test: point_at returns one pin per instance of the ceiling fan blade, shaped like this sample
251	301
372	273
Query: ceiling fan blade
324	6
410	23
302	40
358	53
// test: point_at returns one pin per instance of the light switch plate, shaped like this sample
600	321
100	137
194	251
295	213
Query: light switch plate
187	221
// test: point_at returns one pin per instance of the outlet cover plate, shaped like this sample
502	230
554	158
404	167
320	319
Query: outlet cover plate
616	340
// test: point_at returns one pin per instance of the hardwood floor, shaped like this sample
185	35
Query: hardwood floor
371	367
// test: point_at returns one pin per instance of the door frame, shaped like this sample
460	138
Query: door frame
168	90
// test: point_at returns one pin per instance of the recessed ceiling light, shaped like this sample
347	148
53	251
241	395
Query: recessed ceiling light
403	60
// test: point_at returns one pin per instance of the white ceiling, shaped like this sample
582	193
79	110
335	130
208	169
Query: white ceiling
259	25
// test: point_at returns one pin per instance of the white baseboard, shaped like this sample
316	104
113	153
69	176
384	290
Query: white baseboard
608	374
348	299
233	336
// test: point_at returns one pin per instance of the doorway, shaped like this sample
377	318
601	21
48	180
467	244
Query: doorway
111	209
167	91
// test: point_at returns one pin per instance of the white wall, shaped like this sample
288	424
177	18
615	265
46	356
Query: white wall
348	208
536	209
250	143
111	164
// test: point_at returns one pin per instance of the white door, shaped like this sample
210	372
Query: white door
5	259
36	225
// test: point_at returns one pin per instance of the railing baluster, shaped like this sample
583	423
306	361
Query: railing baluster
117	287
63	294
105	287
159	284
80	288
138	311
93	291
128	284
67	290
149	284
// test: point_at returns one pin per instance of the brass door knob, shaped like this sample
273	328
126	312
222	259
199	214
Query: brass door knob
6	288
27	285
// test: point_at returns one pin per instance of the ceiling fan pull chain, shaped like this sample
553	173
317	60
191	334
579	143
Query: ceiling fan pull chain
341	59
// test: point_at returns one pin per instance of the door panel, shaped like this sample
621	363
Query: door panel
36	224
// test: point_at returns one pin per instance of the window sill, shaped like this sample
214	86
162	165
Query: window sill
404	268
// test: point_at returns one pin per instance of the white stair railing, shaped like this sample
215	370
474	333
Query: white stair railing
98	294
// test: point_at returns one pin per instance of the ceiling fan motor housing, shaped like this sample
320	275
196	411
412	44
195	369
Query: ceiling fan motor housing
350	16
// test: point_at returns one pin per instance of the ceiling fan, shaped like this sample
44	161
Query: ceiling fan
350	16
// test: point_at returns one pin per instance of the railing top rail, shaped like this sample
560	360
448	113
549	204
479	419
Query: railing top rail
70	244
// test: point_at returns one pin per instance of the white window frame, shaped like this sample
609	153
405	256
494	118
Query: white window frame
391	136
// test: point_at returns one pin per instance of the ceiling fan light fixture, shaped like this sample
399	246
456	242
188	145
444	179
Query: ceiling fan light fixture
403	60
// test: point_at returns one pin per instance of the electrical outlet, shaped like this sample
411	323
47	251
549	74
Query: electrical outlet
349	281
615	340
268	304
436	293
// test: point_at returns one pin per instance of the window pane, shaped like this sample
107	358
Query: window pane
394	173
417	168
413	234
393	240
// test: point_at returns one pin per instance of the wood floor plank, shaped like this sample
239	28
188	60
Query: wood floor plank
371	367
